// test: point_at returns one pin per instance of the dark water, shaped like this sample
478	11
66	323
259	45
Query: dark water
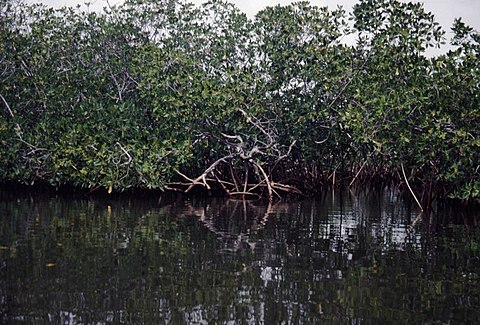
343	259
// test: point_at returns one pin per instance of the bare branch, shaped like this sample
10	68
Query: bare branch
269	187
126	153
411	191
257	125
244	193
361	168
7	106
208	171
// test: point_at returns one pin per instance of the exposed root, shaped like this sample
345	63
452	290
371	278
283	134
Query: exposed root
411	191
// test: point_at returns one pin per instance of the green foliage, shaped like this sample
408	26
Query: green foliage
411	109
305	67
128	97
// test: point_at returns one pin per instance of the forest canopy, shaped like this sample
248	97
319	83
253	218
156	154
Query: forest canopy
167	95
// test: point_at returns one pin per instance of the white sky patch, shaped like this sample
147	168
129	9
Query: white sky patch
445	11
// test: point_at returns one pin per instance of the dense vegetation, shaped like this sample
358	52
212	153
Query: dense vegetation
164	94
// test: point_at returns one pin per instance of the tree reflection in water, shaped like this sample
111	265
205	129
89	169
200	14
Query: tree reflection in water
347	258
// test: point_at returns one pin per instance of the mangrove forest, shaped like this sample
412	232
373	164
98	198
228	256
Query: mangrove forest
163	94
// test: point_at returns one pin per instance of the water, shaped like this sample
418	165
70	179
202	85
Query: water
345	258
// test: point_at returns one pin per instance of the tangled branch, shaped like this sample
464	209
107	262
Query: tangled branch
246	153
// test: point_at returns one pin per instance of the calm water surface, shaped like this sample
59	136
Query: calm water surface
342	259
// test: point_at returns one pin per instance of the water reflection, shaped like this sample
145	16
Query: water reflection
345	258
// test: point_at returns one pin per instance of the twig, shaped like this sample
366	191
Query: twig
168	188
280	158
222	185
324	140
276	193
286	188
288	151
234	178
360	170
18	130
258	126
184	176
269	187
417	219
206	172
244	193
254	186
7	106
126	153
411	191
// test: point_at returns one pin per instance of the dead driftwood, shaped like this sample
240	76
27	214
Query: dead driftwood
242	172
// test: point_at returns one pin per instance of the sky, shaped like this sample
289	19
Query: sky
445	11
